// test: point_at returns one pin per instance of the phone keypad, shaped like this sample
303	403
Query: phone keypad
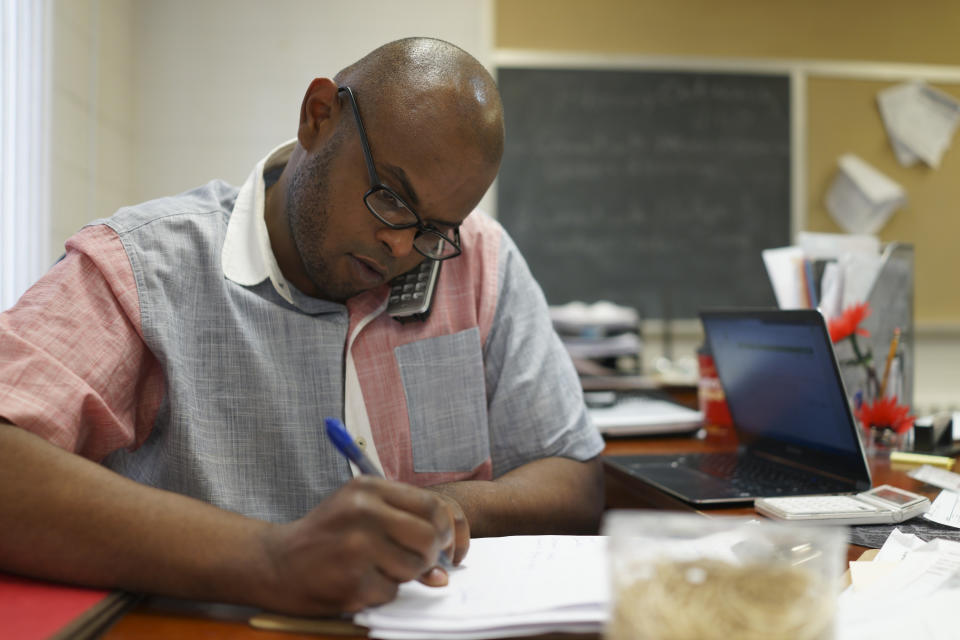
409	293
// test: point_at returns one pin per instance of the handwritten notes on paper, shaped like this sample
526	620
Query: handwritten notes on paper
511	586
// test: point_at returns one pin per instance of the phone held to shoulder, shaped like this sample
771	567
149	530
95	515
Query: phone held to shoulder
411	294
881	505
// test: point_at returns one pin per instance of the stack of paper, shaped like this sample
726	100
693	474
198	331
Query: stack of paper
920	122
512	586
910	590
604	333
826	270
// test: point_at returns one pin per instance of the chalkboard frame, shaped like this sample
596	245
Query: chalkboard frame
794	72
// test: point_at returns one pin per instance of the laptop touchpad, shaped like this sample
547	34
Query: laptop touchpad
696	485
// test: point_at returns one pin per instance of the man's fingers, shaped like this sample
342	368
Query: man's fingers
460	544
435	577
375	588
422	503
411	521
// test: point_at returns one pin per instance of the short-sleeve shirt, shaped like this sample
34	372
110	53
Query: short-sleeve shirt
168	346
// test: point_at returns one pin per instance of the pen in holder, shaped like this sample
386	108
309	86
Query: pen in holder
874	354
873	341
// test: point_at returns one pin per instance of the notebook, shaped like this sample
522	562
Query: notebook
796	432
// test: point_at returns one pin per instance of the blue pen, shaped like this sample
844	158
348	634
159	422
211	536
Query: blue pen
344	443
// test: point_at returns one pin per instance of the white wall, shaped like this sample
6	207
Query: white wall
220	82
154	97
93	105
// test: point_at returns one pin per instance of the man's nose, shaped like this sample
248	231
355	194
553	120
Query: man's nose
399	241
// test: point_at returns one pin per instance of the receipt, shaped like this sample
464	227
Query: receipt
937	477
945	509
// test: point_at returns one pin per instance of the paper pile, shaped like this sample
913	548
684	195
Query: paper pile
861	199
830	271
512	586
910	590
604	333
920	122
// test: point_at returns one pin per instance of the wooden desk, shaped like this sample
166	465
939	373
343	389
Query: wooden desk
161	618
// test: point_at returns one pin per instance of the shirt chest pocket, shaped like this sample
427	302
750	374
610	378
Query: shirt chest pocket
446	401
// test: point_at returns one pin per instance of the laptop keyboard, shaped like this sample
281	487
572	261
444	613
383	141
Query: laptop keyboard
759	476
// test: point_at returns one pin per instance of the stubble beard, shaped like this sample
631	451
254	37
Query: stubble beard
307	216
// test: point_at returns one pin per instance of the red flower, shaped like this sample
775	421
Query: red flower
885	412
849	322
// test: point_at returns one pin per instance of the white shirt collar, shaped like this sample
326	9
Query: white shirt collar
247	257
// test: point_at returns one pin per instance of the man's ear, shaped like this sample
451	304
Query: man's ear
318	112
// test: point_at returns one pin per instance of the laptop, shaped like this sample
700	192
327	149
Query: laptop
796	432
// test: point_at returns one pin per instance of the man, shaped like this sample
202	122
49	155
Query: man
163	388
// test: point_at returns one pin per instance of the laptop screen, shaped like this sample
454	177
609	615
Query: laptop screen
782	385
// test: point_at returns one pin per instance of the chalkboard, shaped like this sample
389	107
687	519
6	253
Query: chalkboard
652	189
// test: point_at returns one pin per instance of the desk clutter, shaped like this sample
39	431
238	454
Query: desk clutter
680	576
602	338
631	414
909	590
839	273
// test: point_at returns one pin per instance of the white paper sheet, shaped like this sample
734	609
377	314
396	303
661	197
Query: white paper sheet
920	122
511	586
945	509
916	598
831	246
860	273
937	477
861	199
783	268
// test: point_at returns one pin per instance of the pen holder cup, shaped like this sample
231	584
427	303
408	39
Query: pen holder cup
687	576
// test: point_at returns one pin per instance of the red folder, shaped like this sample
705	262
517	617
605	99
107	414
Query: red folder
35	609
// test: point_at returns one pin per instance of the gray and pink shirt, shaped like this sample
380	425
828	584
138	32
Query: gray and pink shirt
168	346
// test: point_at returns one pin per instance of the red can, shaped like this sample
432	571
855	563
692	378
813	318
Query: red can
713	402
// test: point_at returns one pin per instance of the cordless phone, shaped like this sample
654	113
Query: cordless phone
411	294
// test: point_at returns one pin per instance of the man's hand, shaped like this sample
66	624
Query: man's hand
457	549
355	548
69	519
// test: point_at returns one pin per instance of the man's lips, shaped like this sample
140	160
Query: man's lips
370	271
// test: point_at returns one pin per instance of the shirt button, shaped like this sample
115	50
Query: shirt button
362	443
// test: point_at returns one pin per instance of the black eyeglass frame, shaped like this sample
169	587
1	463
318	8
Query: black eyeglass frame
376	185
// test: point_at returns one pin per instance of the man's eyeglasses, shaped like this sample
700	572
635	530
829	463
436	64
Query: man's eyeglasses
391	210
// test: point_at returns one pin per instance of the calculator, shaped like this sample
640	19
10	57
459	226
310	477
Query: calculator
881	505
411	294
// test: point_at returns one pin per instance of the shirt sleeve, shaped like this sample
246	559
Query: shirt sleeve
535	403
74	368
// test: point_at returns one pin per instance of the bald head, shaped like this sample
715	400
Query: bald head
430	85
